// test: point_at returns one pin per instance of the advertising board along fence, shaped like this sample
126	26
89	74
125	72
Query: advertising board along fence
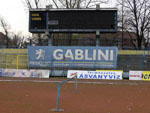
139	75
146	75
104	74
135	75
25	73
72	57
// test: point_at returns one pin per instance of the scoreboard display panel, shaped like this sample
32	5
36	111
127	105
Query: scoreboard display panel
37	21
73	20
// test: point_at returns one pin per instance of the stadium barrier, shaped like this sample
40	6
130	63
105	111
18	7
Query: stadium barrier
127	60
25	73
14	61
98	74
139	75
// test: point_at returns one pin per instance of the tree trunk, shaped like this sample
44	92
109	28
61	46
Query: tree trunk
139	42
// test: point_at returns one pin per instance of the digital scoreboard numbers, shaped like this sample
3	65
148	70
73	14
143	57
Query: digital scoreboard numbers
37	21
73	20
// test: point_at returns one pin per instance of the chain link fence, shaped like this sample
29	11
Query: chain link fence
133	62
126	61
13	59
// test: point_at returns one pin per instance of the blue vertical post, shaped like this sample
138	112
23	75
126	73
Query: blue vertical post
57	109
0	72
58	97
58	100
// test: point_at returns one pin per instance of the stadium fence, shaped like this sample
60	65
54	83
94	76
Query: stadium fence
127	60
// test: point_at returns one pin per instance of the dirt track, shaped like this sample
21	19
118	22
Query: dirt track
32	95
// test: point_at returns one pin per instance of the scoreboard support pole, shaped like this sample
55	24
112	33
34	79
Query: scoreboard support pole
50	43
97	38
50	39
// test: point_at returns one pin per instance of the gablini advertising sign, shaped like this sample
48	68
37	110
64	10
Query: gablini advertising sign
66	56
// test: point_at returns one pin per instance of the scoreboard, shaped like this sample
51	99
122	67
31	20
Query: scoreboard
37	20
73	20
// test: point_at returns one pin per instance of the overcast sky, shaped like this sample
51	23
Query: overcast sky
14	13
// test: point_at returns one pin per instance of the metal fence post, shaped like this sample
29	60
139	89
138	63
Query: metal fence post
118	61
17	62
143	62
58	100
76	85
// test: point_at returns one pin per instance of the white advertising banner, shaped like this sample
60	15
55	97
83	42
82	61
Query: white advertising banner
25	73
135	75
109	75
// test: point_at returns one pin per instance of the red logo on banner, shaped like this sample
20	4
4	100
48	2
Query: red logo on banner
73	74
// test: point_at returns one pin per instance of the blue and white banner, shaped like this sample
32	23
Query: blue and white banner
109	75
25	73
68	56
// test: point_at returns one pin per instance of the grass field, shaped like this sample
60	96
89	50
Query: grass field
20	95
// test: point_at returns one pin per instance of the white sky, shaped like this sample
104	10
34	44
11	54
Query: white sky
15	15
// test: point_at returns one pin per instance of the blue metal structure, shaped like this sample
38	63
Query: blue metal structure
58	92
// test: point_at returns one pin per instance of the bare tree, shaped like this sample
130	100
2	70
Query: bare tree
70	4
34	3
147	40
136	18
39	39
121	16
63	3
5	27
17	40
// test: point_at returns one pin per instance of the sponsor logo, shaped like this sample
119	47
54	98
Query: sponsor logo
40	54
136	76
74	74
